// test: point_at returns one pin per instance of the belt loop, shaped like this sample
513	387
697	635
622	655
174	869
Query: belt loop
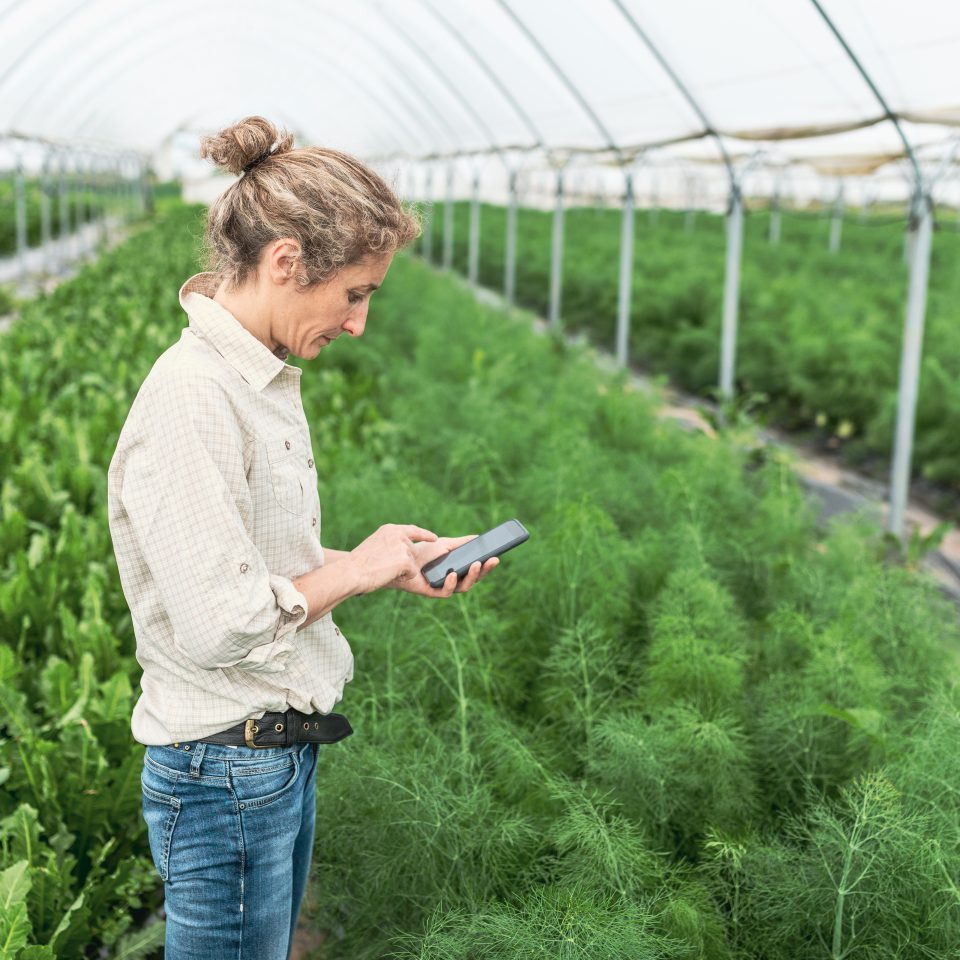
197	758
290	734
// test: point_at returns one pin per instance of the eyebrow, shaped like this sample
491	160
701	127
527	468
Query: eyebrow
372	286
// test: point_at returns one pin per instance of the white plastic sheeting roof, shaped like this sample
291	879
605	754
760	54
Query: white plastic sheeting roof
417	78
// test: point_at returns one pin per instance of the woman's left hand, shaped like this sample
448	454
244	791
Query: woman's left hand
431	550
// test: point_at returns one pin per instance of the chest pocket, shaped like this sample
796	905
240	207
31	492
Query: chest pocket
289	473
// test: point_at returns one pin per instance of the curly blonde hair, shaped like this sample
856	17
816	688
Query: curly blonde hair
338	209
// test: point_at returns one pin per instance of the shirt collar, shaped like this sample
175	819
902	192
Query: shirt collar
224	332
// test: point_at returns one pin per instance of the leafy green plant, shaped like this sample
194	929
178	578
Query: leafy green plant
666	726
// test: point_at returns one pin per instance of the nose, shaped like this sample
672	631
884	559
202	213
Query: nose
357	320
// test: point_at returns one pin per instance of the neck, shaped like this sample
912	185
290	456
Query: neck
247	306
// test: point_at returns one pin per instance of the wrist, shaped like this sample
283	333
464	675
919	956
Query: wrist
356	573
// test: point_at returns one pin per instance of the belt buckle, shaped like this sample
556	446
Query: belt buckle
249	729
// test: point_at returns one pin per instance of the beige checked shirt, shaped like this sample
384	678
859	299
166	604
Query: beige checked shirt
213	510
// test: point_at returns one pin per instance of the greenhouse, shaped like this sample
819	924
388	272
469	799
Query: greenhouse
667	296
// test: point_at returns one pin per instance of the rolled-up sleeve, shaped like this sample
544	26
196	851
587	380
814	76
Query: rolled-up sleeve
185	491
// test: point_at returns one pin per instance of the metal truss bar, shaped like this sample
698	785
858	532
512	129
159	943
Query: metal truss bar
432	66
708	127
360	85
491	74
31	48
107	80
562	76
56	77
385	53
888	113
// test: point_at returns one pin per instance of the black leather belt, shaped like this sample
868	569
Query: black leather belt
284	730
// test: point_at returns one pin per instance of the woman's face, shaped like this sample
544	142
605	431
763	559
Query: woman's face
306	319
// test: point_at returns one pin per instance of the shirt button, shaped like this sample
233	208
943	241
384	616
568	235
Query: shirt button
244	567
310	463
313	522
286	443
336	630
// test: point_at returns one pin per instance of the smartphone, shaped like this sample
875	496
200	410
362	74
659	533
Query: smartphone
490	544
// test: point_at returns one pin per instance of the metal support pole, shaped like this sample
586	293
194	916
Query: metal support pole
99	196
146	188
134	186
690	217
510	266
79	203
63	203
626	271
20	202
556	256
448	221
909	240
473	255
428	216
836	220
653	214
775	225
731	292
46	214
922	228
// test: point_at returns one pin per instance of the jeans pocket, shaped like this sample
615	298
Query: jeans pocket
257	783
160	812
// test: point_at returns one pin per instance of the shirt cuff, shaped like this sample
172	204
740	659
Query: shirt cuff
272	657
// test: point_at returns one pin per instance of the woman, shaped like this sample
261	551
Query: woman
215	519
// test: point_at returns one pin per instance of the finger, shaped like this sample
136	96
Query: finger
487	567
471	577
417	533
450	584
454	542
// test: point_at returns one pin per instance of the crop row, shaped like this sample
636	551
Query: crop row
678	722
819	336
80	205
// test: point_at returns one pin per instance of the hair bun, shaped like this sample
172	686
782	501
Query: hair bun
234	147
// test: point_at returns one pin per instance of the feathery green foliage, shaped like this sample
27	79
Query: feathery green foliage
679	722
819	334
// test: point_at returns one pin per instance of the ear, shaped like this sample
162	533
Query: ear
281	258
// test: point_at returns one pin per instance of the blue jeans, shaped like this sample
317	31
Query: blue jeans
231	834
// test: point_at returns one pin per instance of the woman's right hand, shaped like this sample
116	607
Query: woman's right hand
387	557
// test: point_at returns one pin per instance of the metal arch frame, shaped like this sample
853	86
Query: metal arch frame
388	55
538	143
103	81
888	114
384	52
731	283
13	6
489	72
93	114
921	236
511	220
428	62
708	128
836	216
423	57
784	176
38	91
610	143
39	41
54	161
556	252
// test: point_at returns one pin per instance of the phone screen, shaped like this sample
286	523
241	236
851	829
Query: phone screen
493	543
